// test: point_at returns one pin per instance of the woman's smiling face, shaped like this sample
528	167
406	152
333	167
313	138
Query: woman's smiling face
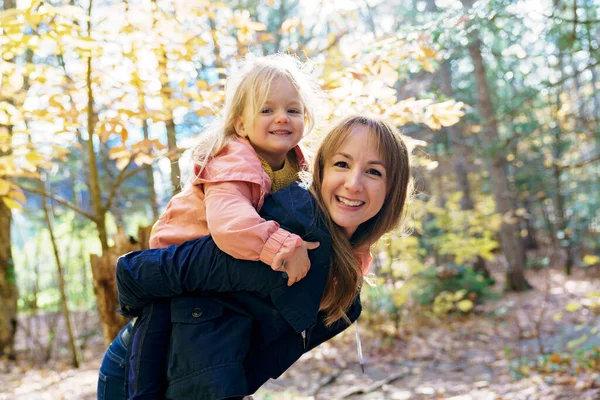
354	180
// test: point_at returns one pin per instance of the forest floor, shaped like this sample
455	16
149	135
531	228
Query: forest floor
492	354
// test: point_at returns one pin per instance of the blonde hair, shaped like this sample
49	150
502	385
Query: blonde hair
345	275
248	91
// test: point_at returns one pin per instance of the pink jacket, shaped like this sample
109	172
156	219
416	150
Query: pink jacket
224	201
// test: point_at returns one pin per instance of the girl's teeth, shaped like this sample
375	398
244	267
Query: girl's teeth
349	202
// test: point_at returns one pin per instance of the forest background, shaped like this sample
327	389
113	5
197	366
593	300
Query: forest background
493	292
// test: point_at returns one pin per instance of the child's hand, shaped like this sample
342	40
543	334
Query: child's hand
297	264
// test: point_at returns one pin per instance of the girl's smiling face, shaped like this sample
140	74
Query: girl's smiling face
354	180
279	124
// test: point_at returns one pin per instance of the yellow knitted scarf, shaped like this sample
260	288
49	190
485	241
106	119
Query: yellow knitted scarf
285	176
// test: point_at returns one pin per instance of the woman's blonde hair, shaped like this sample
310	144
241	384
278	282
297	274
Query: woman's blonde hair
345	275
247	91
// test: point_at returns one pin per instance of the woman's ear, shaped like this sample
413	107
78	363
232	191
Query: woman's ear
240	126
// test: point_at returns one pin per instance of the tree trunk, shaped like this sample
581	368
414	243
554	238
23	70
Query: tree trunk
150	179
591	38
459	161
104	270
108	179
163	74
563	234
61	282
172	146
8	285
530	241
510	238
94	180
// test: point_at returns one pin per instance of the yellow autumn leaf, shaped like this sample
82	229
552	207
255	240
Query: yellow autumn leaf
443	114
459	294
118	152
577	342
290	24
257	26
572	307
122	132
465	305
204	111
17	194
378	90
4	187
142	159
34	158
400	297
122	163
388	74
265	38
12	204
557	317
589	259
201	84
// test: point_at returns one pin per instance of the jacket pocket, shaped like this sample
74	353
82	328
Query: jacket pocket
194	310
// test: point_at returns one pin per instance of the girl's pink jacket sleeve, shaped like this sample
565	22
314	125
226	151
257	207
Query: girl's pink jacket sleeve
224	201
239	231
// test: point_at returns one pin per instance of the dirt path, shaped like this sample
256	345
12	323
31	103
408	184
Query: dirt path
488	356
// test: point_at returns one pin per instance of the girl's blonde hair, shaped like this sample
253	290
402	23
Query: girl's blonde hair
248	91
345	275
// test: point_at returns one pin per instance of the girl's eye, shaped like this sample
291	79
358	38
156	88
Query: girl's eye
375	172
294	111
341	164
265	111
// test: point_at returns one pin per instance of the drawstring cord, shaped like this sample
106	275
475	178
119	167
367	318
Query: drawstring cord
359	349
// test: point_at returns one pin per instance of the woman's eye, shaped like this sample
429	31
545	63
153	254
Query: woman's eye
375	172
341	164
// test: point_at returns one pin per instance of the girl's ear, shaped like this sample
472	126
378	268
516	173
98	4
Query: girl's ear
239	126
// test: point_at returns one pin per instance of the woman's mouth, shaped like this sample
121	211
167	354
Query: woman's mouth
349	202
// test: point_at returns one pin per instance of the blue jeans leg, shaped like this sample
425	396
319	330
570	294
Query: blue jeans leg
111	381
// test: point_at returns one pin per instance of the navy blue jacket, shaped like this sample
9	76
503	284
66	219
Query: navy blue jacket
243	325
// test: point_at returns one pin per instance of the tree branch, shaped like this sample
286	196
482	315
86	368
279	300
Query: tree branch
575	20
123	176
57	199
519	107
579	164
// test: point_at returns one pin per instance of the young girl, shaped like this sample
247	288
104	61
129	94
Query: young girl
253	152
246	326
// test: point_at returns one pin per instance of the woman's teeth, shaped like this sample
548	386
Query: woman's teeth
351	203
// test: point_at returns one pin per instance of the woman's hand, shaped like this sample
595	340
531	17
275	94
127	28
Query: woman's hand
297	264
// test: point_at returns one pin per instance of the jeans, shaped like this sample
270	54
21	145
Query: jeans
112	384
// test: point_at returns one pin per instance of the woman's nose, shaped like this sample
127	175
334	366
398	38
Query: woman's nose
354	182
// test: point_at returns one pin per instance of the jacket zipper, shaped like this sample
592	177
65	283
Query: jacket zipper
303	334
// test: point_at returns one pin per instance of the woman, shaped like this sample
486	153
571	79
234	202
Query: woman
244	325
